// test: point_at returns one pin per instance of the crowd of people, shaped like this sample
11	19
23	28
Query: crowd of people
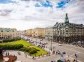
64	59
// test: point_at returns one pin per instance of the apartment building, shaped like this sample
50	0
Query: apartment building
6	33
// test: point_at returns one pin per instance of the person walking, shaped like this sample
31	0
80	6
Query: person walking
76	56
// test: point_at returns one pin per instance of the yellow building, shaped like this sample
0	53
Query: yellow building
28	32
38	32
6	33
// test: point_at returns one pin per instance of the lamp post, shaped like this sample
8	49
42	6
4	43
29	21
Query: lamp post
51	44
36	39
53	30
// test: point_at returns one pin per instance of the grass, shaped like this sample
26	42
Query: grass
27	44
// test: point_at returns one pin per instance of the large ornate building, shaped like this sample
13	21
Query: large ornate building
68	32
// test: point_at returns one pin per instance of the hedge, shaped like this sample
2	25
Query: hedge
30	50
11	47
10	40
60	61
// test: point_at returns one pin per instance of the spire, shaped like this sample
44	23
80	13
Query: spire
66	18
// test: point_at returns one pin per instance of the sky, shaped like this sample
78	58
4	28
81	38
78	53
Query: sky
27	14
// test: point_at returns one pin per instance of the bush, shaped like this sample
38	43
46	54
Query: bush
30	50
59	61
24	49
11	47
10	40
33	50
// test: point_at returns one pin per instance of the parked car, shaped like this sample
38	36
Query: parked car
64	52
60	44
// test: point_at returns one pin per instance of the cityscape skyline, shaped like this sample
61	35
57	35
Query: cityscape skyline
26	14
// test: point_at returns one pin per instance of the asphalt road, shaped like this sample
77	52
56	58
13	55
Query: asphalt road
69	49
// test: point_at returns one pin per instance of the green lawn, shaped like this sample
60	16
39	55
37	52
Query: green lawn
27	44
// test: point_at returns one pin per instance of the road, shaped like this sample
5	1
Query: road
69	49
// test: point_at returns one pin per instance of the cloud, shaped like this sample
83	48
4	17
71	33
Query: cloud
34	13
5	12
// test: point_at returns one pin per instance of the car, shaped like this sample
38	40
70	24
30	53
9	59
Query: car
64	52
60	44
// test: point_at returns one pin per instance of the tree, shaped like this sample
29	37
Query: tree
59	61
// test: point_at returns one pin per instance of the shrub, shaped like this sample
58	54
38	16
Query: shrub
24	49
30	50
59	61
10	40
11	47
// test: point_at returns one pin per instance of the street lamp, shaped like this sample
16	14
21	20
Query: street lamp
51	42
36	39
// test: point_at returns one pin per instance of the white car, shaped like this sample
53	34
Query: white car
60	44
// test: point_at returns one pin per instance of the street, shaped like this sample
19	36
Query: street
69	49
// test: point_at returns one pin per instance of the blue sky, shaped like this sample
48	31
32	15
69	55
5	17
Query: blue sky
25	14
45	3
61	4
5	1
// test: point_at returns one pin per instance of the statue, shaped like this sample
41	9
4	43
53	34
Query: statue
1	55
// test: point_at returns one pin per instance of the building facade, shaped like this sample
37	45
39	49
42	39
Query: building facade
28	32
49	33
37	32
68	32
6	33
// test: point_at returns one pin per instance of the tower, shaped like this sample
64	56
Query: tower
66	18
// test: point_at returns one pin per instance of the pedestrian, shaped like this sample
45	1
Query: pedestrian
18	53
33	57
53	52
8	53
25	55
68	60
74	60
76	56
49	53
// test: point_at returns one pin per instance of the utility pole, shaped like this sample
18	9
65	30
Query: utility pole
51	42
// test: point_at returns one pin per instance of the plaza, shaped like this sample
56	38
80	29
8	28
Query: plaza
69	49
41	30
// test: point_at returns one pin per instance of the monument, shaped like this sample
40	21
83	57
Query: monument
1	55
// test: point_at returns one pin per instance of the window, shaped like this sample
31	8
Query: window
66	30
12	30
7	31
58	31
1	30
